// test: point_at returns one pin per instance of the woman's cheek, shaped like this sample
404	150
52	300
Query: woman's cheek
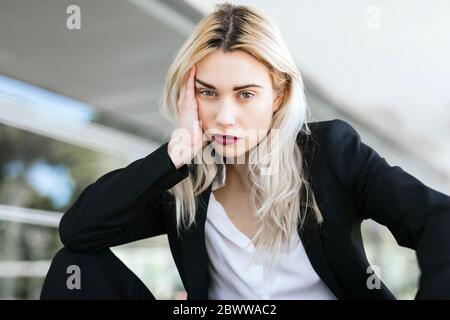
204	116
260	117
201	110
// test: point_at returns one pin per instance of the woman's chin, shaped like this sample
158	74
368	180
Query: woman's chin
230	152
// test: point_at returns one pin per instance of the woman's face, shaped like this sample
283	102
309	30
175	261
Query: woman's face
235	97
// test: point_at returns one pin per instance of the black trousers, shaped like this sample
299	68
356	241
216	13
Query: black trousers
100	275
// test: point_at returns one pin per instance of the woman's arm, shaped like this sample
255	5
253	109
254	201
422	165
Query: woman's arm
123	205
417	216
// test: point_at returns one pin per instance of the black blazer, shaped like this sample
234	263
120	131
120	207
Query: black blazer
351	182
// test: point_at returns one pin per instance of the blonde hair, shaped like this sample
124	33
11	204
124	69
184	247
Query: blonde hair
281	200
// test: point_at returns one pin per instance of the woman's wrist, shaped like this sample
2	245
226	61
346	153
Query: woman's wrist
176	153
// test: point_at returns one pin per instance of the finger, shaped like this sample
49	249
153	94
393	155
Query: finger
190	87
182	90
184	84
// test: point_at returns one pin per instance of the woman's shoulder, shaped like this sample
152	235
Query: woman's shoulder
329	128
326	134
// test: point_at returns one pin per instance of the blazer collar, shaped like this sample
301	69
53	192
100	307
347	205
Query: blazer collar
195	260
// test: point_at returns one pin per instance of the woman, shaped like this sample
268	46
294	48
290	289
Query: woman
270	211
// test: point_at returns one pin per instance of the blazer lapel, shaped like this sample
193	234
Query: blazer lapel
312	239
194	255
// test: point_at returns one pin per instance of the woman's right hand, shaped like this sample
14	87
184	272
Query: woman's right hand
187	140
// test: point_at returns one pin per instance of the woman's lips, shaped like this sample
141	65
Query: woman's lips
225	140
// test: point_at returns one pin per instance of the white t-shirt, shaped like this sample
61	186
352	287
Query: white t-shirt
231	276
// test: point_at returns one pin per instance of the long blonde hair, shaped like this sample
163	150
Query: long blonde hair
282	199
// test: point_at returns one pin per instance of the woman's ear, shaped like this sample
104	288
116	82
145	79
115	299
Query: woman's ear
277	101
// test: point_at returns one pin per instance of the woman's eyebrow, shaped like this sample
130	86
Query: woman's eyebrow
210	86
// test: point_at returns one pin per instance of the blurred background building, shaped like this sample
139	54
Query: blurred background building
77	103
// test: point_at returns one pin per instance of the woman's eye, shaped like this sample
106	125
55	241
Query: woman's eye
247	95
207	93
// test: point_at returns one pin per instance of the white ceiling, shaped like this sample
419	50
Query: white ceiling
116	62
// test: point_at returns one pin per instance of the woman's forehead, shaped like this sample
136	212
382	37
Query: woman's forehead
229	70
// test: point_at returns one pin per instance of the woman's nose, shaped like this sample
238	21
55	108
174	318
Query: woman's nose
226	114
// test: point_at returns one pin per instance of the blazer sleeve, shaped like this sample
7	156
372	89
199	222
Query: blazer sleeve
417	216
123	205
